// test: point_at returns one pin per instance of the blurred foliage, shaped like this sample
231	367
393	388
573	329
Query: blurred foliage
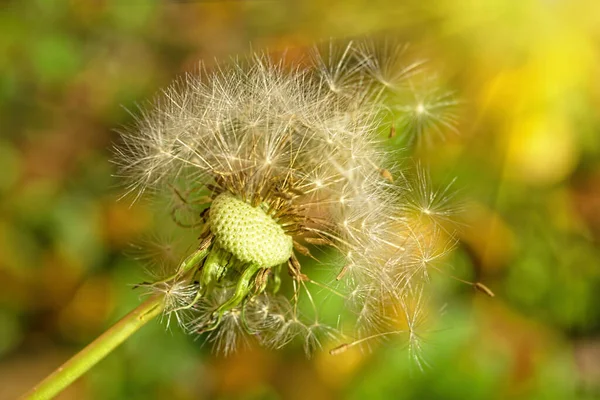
527	160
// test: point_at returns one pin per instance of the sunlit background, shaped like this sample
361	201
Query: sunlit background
527	160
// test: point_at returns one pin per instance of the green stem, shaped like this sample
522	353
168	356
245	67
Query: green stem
97	350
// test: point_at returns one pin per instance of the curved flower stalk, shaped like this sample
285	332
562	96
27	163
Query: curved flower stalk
277	160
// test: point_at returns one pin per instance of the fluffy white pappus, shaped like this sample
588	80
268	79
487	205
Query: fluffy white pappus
305	141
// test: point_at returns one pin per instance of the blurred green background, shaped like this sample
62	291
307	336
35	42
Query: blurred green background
527	159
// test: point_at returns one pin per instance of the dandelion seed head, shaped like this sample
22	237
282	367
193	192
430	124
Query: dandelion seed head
275	160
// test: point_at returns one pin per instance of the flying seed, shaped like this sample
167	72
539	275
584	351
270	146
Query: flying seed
484	289
339	350
342	273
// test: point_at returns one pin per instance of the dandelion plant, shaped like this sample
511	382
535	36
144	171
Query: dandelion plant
300	205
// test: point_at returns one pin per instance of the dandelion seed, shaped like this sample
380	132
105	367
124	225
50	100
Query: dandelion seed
429	114
439	206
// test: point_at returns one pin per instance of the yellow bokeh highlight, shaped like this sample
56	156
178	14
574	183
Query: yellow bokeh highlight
337	370
542	150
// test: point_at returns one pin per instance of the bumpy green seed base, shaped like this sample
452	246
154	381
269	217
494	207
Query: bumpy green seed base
248	232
